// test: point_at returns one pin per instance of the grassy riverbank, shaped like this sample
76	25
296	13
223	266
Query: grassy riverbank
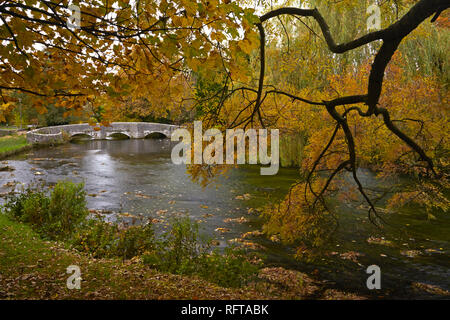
32	268
10	145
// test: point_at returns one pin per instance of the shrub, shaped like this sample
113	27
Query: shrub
55	216
62	216
181	247
229	269
134	241
30	206
67	208
182	251
95	237
101	239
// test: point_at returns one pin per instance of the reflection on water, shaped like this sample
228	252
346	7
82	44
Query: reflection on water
138	177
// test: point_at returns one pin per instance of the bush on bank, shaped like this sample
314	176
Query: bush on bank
104	240
55	216
183	251
62	215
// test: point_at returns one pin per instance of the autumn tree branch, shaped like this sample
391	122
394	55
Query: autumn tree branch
391	37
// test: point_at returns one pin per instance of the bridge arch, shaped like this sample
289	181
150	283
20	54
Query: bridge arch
155	135
118	136
81	136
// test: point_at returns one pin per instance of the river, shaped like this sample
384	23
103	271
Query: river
137	177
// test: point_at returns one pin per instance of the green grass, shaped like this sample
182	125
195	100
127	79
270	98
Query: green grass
12	144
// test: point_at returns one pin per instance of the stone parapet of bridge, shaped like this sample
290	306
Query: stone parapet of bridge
134	130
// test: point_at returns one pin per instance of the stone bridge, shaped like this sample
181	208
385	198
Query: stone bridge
134	130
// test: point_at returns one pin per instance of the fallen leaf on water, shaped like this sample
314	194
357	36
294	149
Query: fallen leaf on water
9	184
250	234
141	195
238	220
275	238
431	250
430	288
161	212
410	253
380	241
252	245
126	214
215	242
351	255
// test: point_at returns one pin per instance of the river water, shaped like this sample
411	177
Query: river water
137	177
